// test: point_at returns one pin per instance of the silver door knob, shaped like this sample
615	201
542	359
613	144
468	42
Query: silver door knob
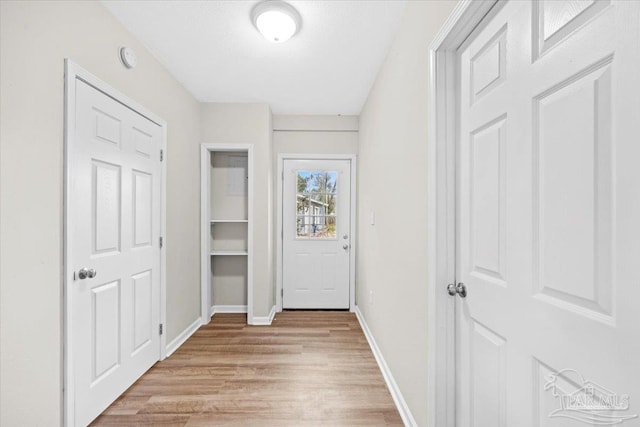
460	289
85	273
345	246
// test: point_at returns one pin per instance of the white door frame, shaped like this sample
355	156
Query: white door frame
205	209
73	72
441	202
352	226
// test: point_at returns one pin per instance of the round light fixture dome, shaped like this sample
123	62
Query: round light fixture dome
276	20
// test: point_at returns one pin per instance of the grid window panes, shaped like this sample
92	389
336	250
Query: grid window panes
316	198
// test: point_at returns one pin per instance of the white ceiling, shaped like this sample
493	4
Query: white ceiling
212	48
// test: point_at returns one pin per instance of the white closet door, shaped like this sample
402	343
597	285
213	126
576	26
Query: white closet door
115	182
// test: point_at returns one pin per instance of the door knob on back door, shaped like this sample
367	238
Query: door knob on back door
85	273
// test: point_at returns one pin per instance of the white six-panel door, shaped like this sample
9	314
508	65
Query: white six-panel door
316	233
548	215
114	219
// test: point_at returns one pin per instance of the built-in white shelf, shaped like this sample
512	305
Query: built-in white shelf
229	253
227	227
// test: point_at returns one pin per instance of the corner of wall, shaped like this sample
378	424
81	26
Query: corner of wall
393	134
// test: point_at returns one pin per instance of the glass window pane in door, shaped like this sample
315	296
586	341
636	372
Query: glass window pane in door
316	196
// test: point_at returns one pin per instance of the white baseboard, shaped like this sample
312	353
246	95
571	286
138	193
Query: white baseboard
184	335
215	309
401	404
266	320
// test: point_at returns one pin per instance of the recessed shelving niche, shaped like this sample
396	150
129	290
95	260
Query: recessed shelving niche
226	229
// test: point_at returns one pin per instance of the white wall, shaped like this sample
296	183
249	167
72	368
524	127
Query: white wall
35	37
392	182
250	124
314	135
308	134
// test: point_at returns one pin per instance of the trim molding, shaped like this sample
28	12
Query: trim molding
441	193
215	309
398	399
205	208
182	337
266	320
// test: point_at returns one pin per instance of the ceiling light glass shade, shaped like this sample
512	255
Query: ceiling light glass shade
276	20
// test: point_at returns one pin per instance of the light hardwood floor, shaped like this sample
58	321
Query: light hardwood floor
309	368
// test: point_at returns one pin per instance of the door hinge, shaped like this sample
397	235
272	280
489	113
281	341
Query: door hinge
283	175
161	155
282	233
160	329
161	242
282	292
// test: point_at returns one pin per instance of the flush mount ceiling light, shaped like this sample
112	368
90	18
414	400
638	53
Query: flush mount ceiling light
276	20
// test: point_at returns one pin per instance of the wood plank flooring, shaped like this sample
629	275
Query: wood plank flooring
309	368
